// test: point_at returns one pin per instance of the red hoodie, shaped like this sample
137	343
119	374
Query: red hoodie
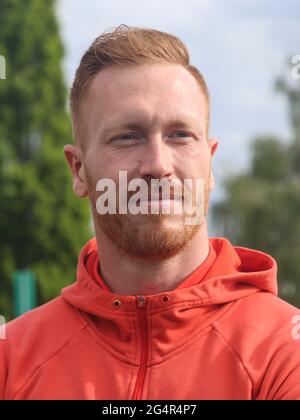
222	334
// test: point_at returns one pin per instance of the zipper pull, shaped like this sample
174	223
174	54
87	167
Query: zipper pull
141	301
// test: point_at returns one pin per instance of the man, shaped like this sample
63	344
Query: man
159	310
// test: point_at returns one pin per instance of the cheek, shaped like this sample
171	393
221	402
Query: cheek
100	169
107	162
97	164
195	163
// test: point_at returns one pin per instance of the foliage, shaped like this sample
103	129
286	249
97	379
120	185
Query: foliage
42	224
261	208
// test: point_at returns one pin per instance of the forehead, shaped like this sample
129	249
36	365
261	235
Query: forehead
147	89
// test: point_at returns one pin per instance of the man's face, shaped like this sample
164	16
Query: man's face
150	121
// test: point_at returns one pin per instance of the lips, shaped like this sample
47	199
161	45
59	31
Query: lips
160	197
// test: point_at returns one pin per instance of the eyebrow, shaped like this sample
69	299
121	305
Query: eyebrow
176	122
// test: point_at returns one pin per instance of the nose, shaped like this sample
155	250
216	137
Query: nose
156	161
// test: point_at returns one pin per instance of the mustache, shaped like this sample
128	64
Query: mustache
145	189
169	189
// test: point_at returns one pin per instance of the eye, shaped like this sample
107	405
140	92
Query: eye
180	134
124	137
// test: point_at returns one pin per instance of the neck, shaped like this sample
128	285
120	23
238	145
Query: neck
127	275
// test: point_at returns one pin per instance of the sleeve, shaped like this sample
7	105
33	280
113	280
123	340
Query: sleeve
282	378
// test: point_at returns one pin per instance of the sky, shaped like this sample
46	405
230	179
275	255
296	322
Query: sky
240	47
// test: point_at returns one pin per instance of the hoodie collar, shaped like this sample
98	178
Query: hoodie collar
235	273
92	265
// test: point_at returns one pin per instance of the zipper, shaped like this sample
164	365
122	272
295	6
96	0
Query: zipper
141	304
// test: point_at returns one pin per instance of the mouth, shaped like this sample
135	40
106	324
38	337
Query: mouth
160	197
168	203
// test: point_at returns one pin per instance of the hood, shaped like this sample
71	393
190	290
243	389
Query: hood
235	273
169	320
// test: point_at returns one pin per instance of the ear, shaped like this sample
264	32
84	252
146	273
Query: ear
213	145
74	159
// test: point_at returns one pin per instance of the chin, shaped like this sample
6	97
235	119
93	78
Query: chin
154	238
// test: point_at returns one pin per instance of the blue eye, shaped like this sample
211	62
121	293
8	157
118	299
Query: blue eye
126	137
182	133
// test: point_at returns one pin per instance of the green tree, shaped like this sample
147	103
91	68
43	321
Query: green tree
261	208
42	225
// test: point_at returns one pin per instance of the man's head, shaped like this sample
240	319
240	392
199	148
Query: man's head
139	106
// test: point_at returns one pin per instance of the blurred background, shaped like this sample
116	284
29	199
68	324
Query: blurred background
249	54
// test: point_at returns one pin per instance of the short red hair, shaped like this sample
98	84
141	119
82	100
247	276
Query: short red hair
127	45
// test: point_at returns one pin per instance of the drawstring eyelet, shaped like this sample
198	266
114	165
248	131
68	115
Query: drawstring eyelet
117	303
165	299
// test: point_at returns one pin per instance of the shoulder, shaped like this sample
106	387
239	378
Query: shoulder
264	333
55	319
34	338
262	314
